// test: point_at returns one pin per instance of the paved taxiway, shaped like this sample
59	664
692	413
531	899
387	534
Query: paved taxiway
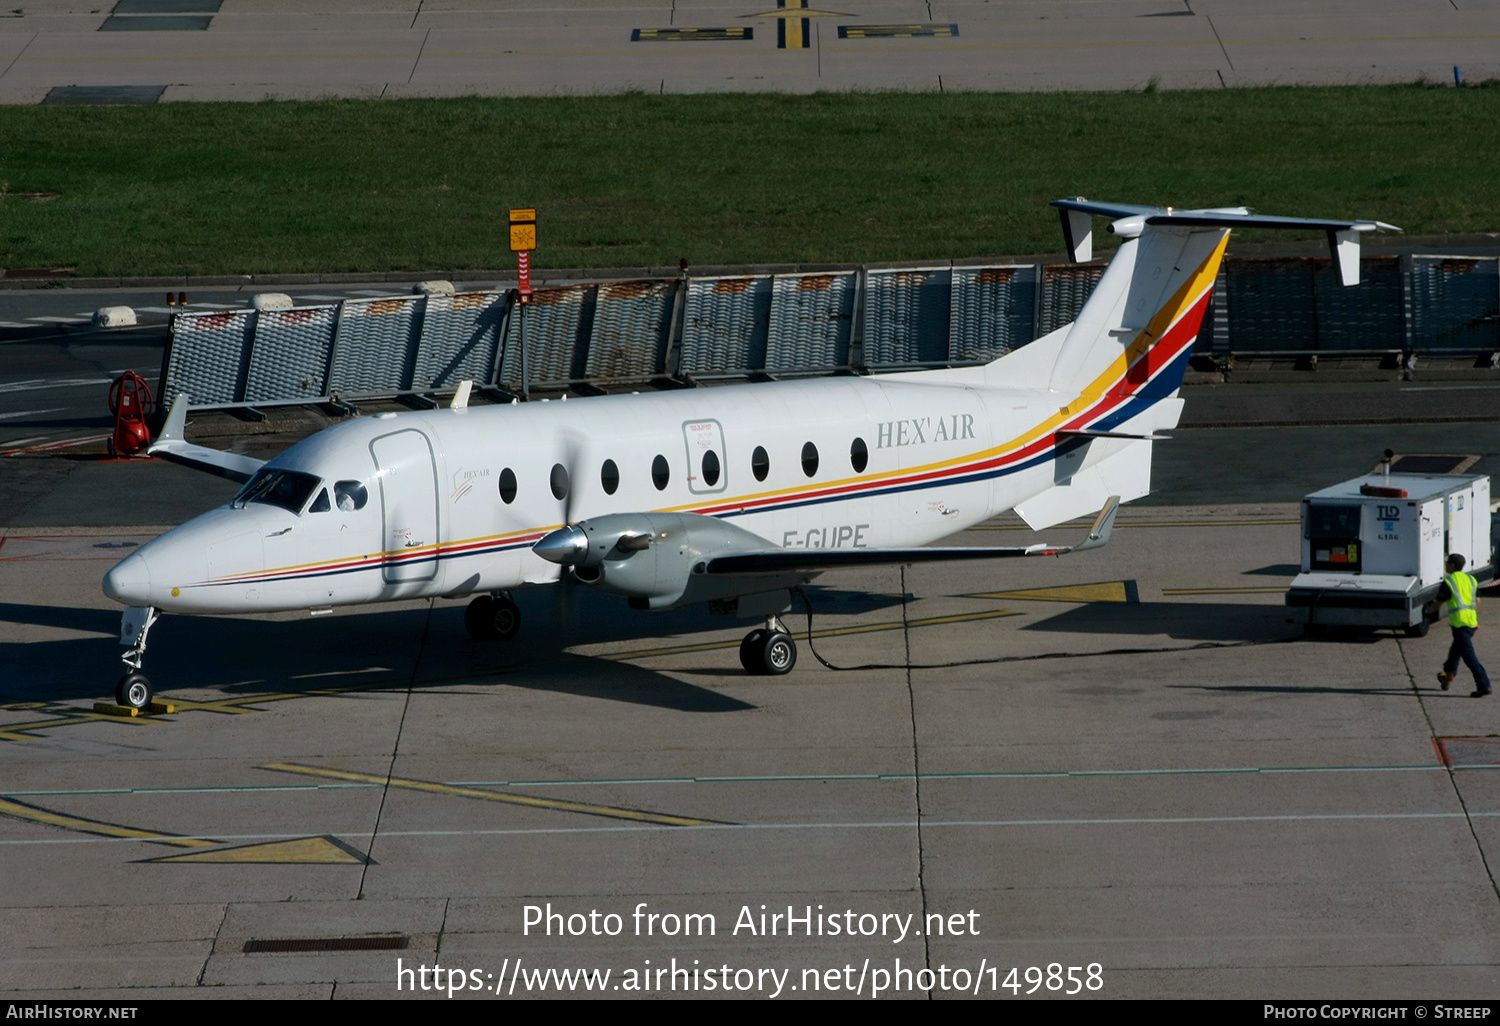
1154	772
255	49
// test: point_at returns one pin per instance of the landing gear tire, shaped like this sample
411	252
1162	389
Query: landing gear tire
1418	629
491	618
750	652
133	691
779	653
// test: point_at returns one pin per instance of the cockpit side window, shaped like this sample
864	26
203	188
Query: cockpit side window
321	503
288	489
350	495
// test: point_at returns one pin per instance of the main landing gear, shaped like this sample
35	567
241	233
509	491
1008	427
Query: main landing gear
768	650
134	689
493	617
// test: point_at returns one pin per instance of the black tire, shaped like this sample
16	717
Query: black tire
133	691
1418	629
505	620
479	619
779	653
1317	630
751	652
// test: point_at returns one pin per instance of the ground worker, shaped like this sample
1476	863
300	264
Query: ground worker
1461	593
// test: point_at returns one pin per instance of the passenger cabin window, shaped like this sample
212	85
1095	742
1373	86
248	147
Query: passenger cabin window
609	477
507	486
859	455
288	489
660	473
321	503
350	495
760	463
809	459
559	481
710	468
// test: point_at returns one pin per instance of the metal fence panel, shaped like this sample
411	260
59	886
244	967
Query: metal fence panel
208	357
1455	302
289	359
724	326
1065	288
556	323
632	320
1271	305
811	317
1367	316
992	311
460	336
374	345
906	315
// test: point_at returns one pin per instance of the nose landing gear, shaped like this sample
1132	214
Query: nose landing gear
134	689
769	650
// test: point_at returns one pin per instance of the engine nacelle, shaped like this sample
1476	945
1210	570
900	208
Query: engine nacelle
657	559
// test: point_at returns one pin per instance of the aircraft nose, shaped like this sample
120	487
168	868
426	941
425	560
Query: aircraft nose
565	545
129	581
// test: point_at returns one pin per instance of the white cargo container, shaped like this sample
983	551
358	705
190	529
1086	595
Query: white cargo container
1373	548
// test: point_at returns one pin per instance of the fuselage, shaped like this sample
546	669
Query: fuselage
449	501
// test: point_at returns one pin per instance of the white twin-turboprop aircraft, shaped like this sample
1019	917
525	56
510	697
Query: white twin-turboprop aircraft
731	495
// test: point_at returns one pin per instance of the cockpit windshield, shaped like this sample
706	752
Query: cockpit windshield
288	489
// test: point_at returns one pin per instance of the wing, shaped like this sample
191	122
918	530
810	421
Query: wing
172	445
804	561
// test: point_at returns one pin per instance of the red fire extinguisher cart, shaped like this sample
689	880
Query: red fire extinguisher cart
131	402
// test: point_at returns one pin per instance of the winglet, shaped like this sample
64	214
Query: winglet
172	444
461	396
1103	525
176	426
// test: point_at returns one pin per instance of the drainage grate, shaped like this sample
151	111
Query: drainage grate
156	23
78	95
328	944
167	7
1433	463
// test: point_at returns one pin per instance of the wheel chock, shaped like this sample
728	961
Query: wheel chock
111	709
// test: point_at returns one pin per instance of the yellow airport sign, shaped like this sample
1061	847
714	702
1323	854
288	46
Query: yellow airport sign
523	237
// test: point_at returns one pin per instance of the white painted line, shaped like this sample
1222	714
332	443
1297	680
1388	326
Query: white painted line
899	825
321	299
156	309
376	292
30	413
17	447
60	320
14	324
35	384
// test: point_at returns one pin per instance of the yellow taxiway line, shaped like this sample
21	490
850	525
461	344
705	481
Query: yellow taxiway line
613	812
36	814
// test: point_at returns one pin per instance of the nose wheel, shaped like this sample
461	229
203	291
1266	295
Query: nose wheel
133	691
768	651
493	618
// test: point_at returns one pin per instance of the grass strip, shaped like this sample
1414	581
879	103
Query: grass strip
632	180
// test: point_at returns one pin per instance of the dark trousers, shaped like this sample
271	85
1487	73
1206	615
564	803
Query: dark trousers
1463	648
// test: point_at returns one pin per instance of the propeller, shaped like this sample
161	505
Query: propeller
564	482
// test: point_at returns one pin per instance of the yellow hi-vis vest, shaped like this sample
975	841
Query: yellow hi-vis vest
1461	610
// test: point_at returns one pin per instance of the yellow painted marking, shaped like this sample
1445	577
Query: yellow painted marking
828	632
1143	523
326	850
1106	591
802	12
36	814
1223	591
494	796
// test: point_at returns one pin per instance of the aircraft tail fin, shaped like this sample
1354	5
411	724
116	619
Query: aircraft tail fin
1135	333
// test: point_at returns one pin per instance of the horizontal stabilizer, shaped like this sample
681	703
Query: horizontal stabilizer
1343	234
172	445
